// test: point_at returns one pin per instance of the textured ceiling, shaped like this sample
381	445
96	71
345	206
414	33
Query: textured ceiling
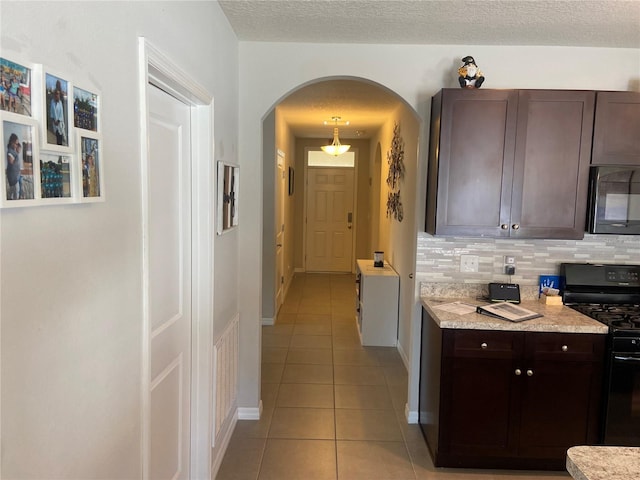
588	23
602	23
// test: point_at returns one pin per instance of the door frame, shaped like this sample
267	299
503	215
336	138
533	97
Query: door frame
355	206
155	68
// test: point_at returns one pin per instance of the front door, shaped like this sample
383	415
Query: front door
169	283
330	217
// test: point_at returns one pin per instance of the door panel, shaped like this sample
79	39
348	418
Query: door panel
169	281
329	233
280	233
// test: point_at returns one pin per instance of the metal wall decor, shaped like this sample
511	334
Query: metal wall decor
395	159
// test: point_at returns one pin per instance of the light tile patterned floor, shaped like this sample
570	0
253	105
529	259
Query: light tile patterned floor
332	408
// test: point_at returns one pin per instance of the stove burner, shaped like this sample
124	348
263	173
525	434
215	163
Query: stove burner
621	317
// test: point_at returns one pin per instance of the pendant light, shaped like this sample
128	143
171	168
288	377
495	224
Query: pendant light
336	148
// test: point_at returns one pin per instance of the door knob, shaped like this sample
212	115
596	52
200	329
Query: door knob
515	226
504	226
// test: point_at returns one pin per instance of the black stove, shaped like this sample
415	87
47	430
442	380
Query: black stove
607	293
611	295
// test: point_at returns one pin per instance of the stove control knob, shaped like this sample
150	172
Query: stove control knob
529	373
518	372
564	348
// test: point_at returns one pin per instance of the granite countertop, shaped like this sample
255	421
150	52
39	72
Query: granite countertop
604	463
556	318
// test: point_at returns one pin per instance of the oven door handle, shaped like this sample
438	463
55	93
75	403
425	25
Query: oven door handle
626	359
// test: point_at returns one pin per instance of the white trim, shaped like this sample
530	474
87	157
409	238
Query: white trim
156	69
224	443
267	321
250	413
411	416
403	355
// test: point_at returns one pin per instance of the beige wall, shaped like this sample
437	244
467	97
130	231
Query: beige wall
71	275
415	73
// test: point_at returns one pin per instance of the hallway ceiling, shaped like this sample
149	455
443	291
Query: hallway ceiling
366	106
584	23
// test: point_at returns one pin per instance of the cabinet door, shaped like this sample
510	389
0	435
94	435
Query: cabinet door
478	394
552	156
616	140
474	164
561	393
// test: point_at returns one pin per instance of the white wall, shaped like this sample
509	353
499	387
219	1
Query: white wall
268	71
71	275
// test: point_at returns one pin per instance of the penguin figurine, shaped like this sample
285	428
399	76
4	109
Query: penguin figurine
470	75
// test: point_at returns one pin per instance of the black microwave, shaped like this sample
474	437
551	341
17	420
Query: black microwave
614	200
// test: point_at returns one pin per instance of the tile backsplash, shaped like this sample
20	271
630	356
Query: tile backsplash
438	258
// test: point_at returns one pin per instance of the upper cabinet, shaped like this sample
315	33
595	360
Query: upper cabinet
509	163
616	132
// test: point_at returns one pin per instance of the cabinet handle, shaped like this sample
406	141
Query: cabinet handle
483	345
504	226
518	372
564	348
515	226
529	373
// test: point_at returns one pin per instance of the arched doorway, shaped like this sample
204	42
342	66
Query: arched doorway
295	125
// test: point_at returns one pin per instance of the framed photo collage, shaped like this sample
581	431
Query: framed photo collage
50	137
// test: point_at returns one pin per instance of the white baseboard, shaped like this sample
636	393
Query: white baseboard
245	413
221	449
403	356
412	417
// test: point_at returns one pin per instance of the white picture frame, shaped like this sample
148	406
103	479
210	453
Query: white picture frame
20	186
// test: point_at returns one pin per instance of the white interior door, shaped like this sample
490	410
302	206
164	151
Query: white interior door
329	232
169	227
281	191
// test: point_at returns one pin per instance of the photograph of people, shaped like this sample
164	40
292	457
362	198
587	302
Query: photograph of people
57	112
13	165
90	168
85	109
18	162
55	175
15	87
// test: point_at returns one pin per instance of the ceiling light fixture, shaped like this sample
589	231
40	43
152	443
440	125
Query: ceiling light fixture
336	148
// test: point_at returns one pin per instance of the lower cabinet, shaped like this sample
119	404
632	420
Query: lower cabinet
502	399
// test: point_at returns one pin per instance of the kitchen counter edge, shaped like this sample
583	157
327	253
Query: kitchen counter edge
556	318
603	463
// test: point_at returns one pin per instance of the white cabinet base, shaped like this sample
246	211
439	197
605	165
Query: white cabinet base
377	290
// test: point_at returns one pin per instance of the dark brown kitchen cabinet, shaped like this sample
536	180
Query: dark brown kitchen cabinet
509	163
500	399
616	137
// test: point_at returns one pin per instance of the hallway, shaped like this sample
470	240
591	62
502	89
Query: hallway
333	409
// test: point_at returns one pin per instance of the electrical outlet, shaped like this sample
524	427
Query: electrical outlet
509	260
469	263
